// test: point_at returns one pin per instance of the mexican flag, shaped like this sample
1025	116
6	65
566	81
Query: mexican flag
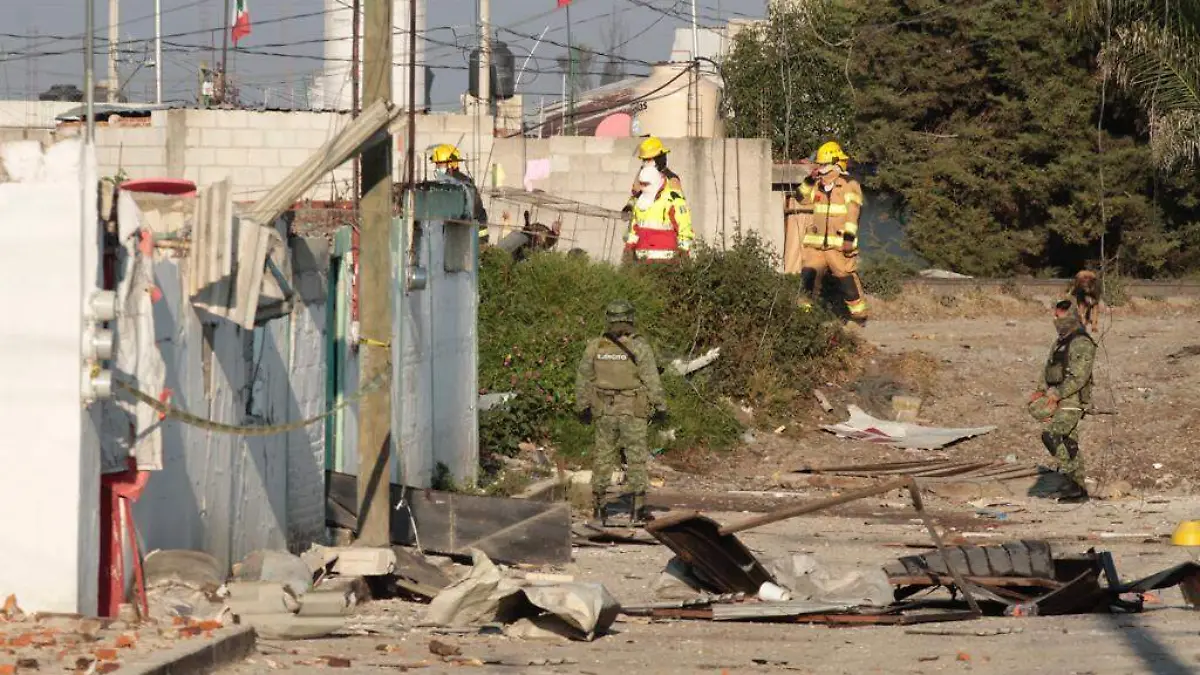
563	3
241	21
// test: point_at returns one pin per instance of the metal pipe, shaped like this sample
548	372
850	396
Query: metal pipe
412	106
158	64
809	507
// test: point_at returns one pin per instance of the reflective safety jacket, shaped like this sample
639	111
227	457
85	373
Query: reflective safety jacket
657	232
835	213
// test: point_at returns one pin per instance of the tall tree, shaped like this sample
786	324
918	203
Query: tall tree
1152	50
584	58
784	78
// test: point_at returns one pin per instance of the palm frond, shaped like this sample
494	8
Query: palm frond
1175	137
1159	66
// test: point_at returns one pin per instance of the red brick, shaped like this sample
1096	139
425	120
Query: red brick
107	667
22	640
8	669
126	641
105	654
208	625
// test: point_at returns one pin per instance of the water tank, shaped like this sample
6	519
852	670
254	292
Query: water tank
503	79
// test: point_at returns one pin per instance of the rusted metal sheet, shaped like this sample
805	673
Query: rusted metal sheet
721	558
940	580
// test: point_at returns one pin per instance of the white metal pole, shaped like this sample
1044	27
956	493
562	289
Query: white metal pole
158	62
114	17
695	93
89	71
485	56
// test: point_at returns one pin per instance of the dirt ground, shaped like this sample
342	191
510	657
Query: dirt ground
974	364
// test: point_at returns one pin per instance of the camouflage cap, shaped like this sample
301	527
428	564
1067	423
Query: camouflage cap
619	310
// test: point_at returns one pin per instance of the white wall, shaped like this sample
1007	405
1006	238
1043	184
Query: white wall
50	481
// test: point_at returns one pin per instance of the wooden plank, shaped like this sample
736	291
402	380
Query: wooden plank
507	530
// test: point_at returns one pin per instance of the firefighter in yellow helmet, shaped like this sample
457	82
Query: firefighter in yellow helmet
660	227
446	159
652	152
830	242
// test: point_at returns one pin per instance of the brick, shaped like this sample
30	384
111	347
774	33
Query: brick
105	654
598	146
560	163
107	667
202	119
216	138
126	641
279	140
8	669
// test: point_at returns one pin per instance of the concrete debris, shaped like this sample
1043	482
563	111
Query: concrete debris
278	566
262	597
179	567
682	367
364	562
580	610
864	427
489	401
809	580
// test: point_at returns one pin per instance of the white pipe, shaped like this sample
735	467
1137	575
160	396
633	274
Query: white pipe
158	63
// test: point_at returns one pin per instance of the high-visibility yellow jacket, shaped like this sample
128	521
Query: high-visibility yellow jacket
657	232
673	183
835	213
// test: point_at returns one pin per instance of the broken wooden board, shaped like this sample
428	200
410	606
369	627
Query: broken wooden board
507	530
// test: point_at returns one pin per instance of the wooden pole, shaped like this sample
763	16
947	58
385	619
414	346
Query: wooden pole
374	411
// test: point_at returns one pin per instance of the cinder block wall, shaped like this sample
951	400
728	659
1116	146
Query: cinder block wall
257	149
727	183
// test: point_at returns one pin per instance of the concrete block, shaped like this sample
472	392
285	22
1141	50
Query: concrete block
145	156
598	146
264	157
274	175
328	603
567	145
216	138
249	138
193	138
202	119
197	157
292	157
213	174
231	119
364	562
232	157
619	163
560	163
248	179
261	597
292	627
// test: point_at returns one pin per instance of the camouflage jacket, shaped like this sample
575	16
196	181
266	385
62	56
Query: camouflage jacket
639	401
1068	371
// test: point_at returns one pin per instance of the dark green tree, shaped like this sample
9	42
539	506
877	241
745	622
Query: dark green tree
785	79
981	117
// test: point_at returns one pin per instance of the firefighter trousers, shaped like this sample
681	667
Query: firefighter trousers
815	262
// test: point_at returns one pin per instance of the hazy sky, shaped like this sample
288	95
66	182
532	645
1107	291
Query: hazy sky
41	44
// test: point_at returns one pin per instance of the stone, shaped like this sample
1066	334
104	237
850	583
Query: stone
291	627
261	597
364	562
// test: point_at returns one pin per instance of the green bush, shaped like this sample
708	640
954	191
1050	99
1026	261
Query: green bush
535	318
884	274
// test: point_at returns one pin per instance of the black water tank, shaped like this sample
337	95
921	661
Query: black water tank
503	79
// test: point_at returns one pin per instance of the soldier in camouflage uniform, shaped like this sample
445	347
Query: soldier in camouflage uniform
1066	393
617	380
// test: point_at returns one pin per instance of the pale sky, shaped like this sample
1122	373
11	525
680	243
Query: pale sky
41	44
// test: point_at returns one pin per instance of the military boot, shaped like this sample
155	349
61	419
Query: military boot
637	511
600	512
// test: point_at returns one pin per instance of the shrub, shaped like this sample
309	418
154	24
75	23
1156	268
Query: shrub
535	318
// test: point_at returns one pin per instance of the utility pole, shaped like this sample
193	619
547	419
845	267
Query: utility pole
375	269
158	64
89	72
485	56
694	110
114	77
355	93
570	77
